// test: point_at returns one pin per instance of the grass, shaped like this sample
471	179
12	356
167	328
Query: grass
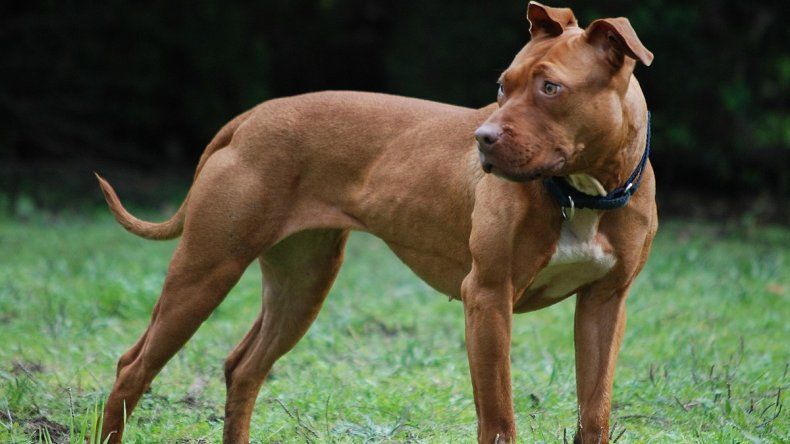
705	357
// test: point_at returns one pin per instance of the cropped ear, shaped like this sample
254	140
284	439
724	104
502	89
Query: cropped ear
617	37
544	20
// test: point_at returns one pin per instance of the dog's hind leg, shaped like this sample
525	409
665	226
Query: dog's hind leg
297	273
227	226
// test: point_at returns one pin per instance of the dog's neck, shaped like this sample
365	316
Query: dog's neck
630	139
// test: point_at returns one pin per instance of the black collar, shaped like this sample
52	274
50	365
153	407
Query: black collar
569	197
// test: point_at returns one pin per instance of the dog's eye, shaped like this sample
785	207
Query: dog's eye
500	89
550	88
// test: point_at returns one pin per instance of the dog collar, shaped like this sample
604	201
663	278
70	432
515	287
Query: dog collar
570	198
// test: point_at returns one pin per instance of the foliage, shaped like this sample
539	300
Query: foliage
148	84
705	356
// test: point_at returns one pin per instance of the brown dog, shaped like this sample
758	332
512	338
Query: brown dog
288	180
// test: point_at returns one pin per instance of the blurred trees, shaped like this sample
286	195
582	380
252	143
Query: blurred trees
147	84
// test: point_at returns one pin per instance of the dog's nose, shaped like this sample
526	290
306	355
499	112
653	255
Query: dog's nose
487	135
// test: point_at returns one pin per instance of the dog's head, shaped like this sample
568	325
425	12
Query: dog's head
563	99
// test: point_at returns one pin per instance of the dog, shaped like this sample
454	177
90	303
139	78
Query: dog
544	194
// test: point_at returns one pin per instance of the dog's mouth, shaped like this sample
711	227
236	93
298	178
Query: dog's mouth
524	176
484	163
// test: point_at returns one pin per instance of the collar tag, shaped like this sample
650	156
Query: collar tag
568	215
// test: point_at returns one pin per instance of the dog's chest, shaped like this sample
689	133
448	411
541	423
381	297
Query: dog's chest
582	256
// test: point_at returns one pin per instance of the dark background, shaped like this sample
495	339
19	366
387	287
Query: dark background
136	89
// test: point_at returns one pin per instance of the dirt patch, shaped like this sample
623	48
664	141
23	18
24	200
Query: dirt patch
39	426
375	326
25	367
192	397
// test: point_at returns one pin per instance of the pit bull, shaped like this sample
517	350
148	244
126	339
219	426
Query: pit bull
516	206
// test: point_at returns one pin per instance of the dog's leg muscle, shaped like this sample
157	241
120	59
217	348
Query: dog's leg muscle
298	273
599	326
223	233
488	314
190	294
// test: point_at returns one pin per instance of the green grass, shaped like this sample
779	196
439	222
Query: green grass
705	357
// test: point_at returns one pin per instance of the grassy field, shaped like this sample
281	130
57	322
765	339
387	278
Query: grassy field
705	357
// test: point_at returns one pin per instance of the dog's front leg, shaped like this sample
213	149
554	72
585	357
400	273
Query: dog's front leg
488	312
599	326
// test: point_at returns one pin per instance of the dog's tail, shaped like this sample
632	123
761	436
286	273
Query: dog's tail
172	227
168	229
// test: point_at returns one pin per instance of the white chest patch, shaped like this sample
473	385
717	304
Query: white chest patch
580	257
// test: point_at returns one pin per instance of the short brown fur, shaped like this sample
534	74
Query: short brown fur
286	181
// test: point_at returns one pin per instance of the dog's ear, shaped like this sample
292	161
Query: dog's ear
544	20
617	38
